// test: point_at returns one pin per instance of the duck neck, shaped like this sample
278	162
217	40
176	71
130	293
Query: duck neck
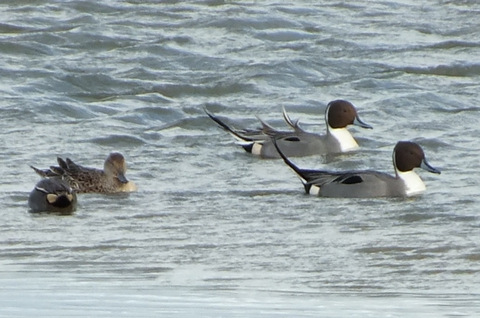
413	184
344	138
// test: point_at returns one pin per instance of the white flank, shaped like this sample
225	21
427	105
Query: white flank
413	184
344	138
314	190
257	149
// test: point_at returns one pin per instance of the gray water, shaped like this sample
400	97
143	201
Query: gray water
212	231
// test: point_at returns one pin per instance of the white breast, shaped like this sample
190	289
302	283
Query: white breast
413	184
344	138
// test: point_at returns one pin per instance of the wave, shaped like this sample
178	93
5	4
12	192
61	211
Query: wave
456	70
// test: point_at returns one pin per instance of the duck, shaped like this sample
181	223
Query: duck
52	195
299	143
407	156
91	180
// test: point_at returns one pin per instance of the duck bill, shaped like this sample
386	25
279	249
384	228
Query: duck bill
121	177
361	123
426	166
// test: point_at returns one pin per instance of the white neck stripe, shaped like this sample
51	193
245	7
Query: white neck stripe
344	138
413	184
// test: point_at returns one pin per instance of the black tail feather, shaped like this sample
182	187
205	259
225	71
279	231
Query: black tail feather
299	171
248	147
307	187
226	127
62	163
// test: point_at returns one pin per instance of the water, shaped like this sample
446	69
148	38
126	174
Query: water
212	231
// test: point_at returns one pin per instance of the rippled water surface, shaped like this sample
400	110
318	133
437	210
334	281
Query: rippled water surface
213	231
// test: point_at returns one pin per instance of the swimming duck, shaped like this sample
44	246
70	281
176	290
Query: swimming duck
82	179
299	143
407	155
52	195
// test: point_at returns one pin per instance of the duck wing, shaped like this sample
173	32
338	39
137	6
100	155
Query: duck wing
321	178
277	134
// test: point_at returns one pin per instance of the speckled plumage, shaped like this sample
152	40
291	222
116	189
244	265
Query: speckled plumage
91	180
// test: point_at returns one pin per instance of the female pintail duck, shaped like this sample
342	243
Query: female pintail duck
406	156
299	143
82	179
52	195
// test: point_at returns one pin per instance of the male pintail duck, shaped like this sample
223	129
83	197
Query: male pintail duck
52	195
82	179
299	143
364	184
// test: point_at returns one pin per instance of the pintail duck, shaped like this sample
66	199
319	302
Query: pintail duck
52	195
299	143
364	184
82	179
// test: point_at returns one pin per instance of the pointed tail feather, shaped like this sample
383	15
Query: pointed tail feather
48	173
40	172
289	163
62	163
232	131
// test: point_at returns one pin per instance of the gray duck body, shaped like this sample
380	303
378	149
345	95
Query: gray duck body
299	143
368	183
